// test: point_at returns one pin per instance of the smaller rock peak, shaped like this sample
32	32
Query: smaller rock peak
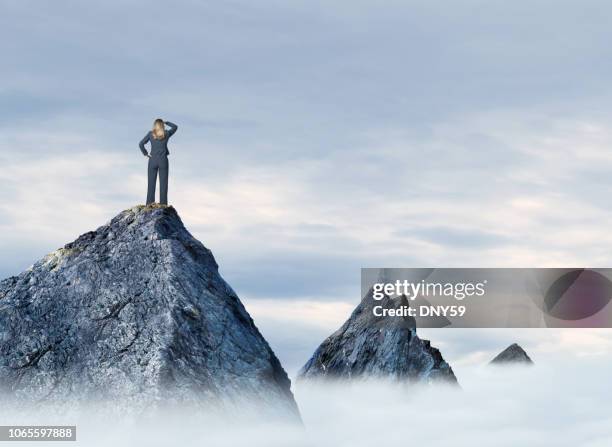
513	354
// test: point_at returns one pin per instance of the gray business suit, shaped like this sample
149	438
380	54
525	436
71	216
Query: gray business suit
158	162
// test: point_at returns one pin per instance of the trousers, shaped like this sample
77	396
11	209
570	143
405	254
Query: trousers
158	164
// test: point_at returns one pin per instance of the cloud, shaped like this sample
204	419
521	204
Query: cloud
502	407
295	328
314	138
448	236
468	348
537	406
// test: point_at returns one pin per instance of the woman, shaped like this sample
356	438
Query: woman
158	159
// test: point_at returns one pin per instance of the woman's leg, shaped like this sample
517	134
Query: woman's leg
152	175
163	181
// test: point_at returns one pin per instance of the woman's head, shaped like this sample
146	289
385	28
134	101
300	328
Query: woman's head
159	131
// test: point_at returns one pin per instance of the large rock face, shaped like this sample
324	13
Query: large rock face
134	311
513	354
369	346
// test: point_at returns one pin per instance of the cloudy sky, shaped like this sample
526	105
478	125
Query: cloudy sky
315	138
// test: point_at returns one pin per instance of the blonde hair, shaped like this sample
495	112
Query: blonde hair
159	130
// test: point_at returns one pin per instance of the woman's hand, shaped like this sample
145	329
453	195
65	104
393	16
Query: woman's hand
172	127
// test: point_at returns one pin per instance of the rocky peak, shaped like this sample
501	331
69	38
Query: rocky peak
137	311
371	346
512	354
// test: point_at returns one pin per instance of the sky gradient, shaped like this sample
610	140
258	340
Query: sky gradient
315	139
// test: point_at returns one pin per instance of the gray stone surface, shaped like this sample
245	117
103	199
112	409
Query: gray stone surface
368	346
513	354
135	311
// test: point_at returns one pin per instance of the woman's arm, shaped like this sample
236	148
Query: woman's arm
142	143
172	127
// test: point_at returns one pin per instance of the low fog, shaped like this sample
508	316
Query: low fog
555	402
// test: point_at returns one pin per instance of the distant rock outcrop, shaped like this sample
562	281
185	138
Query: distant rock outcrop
385	347
134	311
513	354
